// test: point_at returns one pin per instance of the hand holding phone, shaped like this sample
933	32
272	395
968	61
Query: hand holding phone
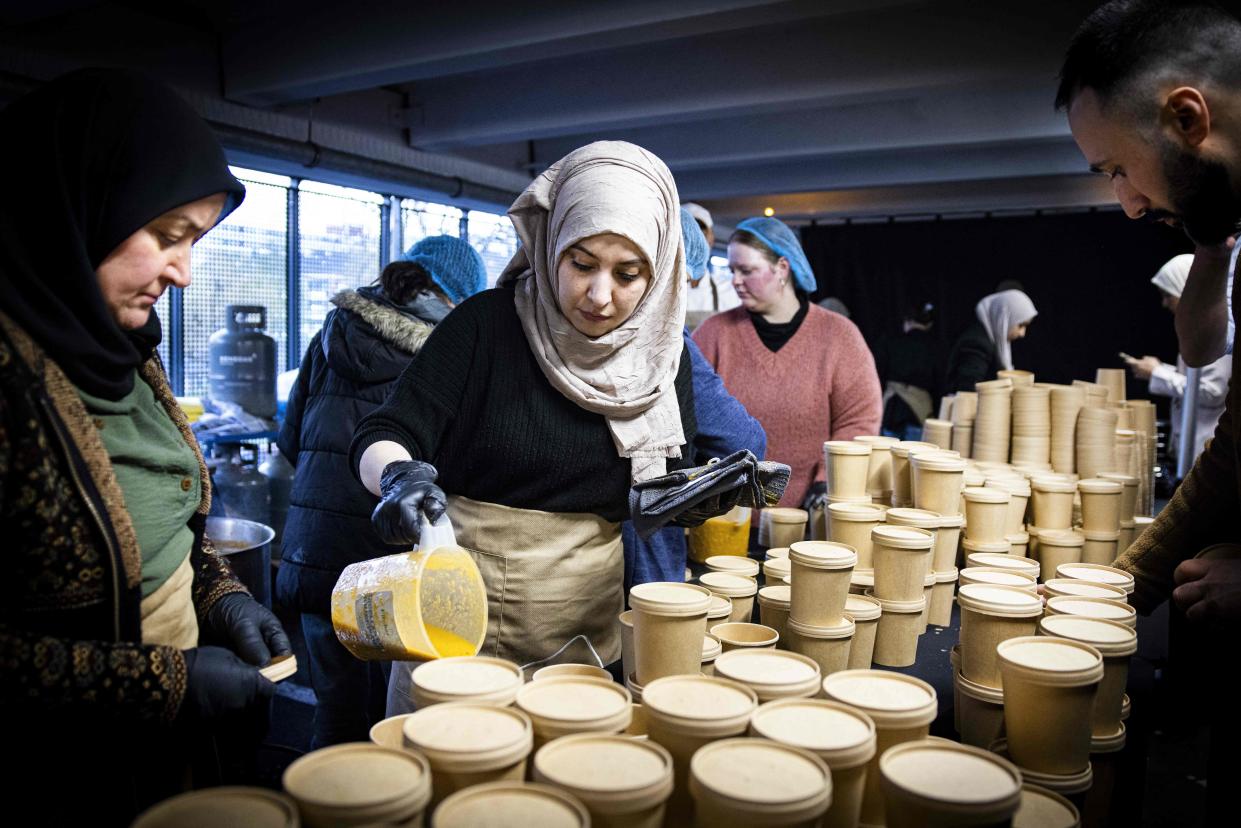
1127	358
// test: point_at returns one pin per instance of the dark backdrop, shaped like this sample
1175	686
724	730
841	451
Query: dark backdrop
1087	273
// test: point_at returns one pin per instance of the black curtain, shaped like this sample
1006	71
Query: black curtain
1087	273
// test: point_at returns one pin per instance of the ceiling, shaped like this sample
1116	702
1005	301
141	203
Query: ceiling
816	108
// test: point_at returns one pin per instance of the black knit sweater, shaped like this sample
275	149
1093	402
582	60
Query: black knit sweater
475	403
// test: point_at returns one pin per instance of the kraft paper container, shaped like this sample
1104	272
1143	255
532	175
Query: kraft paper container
1128	533
998	576
1128	497
896	639
1116	643
1101	501
986	514
776	570
739	635
901	556
390	732
780	526
669	622
843	737
359	784
861	581
469	744
1072	786
232	805
991	615
928	590
964	407
720	610
988	555
979	713
1019	492
1043	808
1052	503
1100	548
937	784
735	564
557	670
941	598
560	706
1099	574
902	472
773	610
848	465
683	713
820	581
521	803
738	783
1018	544
1113	379
879	467
947	541
1057	587
1057	547
711	649
738	588
865	613
637	724
902	708
920	519
937	432
1049	691
1103	608
993	423
826	646
628	660
777	552
851	524
937	483
622	782
963	439
771	674
1096	441
476	679
635	689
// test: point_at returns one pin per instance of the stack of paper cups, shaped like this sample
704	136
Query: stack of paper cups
993	424
964	410
1095	394
1016	376
1031	425
1113	379
1066	402
879	483
938	432
1096	441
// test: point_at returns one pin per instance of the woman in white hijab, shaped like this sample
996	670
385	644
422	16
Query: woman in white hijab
540	403
1170	380
986	345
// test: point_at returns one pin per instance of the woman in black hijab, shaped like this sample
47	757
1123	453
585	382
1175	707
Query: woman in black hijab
122	632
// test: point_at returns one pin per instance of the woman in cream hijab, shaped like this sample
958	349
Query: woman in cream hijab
534	407
986	346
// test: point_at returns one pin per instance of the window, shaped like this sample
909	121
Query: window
494	237
420	219
339	242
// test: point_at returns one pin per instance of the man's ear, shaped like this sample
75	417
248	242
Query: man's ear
1187	115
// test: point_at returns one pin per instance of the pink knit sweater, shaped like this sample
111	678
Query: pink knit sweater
820	386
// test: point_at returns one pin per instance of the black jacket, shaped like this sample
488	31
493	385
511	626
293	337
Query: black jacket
973	359
364	345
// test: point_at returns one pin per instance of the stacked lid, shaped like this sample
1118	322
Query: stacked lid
1031	425
993	424
938	432
1096	440
1066	402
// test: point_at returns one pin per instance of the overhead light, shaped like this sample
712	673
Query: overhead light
769	211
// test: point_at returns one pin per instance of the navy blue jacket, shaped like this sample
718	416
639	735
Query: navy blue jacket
364	345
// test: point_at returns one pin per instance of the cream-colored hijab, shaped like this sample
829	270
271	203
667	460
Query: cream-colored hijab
629	374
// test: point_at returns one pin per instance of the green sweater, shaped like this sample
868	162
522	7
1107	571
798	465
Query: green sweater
158	474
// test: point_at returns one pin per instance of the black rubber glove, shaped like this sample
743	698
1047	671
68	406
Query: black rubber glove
407	492
250	628
219	683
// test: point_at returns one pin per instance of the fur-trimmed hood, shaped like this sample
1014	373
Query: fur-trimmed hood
369	341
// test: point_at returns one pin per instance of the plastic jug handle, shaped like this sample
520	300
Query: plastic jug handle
433	536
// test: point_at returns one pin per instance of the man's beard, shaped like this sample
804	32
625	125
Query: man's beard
1202	196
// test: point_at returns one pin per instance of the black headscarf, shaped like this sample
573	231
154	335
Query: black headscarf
88	160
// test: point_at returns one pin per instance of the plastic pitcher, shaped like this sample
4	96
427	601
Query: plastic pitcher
728	534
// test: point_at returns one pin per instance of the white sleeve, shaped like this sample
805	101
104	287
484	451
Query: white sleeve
1166	381
1232	325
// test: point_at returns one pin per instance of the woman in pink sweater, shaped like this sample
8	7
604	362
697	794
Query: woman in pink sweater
804	372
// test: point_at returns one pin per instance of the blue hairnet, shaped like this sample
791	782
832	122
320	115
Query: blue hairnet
697	253
454	266
783	242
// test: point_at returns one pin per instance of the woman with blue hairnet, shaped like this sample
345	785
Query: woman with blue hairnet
364	345
804	372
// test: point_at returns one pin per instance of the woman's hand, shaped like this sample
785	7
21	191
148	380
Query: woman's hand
1143	368
407	493
251	628
219	683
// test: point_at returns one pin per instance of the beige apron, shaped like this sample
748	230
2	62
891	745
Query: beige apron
168	613
549	576
918	399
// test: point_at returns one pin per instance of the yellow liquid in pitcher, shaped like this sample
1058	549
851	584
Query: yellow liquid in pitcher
448	644
719	536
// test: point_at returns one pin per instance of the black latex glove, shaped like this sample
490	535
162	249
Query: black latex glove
407	491
816	497
219	683
250	628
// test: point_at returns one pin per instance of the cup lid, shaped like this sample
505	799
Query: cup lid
997	575
1094	485
1100	536
1098	573
874	440
670	598
1002	560
1108	637
906	516
1067	784
1059	662
1092	608
573	699
1017	538
945	576
785	514
934	462
759	776
1113	742
770	673
952	774
951	521
777	552
727	584
903	448
845	447
842	630
1119	477
1016	486
902	607
902	537
357	775
823	554
1007	601
721	606
1060	537
1083	589
230	805
777	595
890	699
706	703
861	608
711	648
862	578
740	564
991	695
521	803
467	676
985	494
1049	484
1042	808
589	765
989	547
928	580
840	735
860	512
466	733
777	568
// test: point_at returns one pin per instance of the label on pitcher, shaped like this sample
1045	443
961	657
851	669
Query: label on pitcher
376	618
